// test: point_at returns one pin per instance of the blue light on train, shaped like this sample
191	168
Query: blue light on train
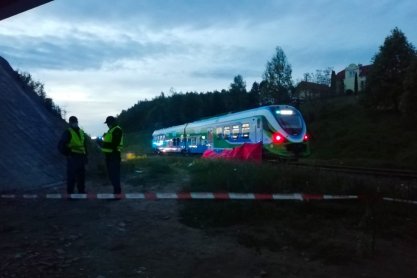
158	143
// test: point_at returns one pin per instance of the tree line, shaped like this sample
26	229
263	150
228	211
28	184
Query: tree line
38	88
391	85
392	81
178	108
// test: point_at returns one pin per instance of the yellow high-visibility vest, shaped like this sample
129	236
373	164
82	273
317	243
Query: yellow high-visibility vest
108	138
76	144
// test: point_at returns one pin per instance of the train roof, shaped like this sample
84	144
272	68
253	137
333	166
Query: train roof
223	118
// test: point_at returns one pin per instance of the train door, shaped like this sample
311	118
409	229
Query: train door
210	138
258	130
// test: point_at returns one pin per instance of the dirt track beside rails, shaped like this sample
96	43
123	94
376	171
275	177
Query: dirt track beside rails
140	238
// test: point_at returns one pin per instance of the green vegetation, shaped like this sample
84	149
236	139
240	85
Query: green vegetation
146	171
391	66
277	79
344	132
138	142
38	89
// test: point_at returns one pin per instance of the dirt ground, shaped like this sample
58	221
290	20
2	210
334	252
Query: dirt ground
138	238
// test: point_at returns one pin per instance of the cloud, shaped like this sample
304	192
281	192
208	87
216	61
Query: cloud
99	57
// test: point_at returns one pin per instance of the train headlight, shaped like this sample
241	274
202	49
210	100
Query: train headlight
284	112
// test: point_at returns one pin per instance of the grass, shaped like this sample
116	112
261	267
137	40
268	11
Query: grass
333	232
151	169
235	176
341	129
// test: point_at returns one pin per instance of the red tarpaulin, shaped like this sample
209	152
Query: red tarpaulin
246	151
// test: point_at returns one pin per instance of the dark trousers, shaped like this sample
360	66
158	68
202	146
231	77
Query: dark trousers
75	173
113	170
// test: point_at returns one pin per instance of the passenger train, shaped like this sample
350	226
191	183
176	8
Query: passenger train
280	128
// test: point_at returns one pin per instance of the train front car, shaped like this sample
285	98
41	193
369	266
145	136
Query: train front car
168	140
285	133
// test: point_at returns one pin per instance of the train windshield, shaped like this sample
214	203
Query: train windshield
289	119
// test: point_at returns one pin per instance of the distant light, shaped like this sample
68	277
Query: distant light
306	137
130	156
284	112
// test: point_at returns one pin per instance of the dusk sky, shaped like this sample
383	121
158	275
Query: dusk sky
98	57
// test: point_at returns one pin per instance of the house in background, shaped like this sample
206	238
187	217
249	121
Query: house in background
308	90
345	79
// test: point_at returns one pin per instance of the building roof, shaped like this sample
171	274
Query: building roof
10	8
363	71
340	75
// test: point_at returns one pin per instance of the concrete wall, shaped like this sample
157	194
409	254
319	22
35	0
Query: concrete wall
28	137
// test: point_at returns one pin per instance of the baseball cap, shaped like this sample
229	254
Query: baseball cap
110	119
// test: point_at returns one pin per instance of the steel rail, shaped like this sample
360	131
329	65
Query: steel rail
395	173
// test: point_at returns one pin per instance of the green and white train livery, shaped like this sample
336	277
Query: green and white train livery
280	128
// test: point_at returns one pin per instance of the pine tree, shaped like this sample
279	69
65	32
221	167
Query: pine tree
409	98
333	82
356	84
386	77
278	79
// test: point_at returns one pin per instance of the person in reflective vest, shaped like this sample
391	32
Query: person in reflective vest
73	146
111	146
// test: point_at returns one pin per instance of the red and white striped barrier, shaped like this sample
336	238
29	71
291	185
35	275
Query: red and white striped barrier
197	196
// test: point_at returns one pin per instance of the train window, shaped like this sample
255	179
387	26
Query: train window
219	132
235	131
245	130
289	120
226	131
203	140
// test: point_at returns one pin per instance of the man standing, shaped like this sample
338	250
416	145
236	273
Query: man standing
73	146
111	146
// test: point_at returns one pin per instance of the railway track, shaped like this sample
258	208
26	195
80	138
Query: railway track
394	173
